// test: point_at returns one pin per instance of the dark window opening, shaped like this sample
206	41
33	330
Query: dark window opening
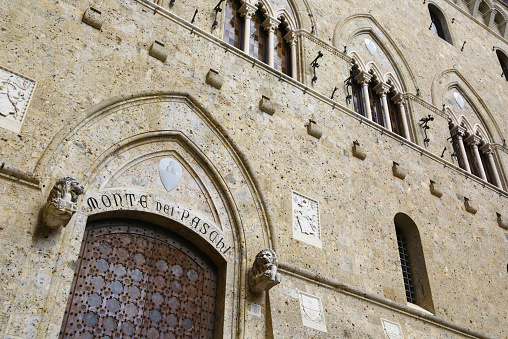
406	268
395	118
282	51
503	61
376	106
358	97
438	23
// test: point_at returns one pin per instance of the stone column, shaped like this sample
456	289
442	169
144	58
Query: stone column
247	11
270	24
291	39
474	141
488	150
364	78
382	90
399	101
460	134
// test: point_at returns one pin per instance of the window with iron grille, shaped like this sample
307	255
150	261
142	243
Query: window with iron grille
406	268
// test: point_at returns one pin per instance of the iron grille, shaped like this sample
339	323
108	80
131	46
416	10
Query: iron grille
406	268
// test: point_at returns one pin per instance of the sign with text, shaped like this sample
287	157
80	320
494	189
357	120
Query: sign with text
138	201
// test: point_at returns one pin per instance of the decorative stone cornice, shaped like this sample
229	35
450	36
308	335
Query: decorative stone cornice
324	45
291	37
461	131
399	99
487	149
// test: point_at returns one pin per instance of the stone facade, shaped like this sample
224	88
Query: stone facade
161	121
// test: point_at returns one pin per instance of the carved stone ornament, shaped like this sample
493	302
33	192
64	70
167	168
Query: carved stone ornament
61	204
306	220
15	95
263	274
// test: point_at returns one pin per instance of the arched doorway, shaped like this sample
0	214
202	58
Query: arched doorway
137	280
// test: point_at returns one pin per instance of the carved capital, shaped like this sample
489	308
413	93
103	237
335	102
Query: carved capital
382	88
487	149
459	130
399	99
363	77
263	274
270	24
473	140
62	202
247	10
291	37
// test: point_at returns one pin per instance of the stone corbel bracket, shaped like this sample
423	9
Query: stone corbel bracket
314	130
470	206
266	106
94	18
358	151
399	171
263	275
62	202
158	51
503	223
214	79
435	189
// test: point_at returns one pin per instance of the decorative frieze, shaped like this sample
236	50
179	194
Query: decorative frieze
15	94
306	226
312	312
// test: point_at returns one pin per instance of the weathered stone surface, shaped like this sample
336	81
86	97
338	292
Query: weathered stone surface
213	78
93	18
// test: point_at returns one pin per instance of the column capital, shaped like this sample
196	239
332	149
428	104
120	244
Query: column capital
487	149
382	88
290	37
474	140
461	131
363	77
270	24
247	10
399	99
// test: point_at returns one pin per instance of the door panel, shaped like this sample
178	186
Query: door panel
137	281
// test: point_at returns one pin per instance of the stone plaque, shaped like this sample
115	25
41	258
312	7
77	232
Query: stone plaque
170	172
15	95
392	330
306	220
371	46
255	310
460	100
312	312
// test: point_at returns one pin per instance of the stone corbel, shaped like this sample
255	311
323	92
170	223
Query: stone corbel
435	189
470	206
158	51
398	171
266	106
62	202
314	130
358	151
263	275
93	17
214	79
503	223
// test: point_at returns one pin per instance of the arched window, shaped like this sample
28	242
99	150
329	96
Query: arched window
258	37
503	61
357	94
438	23
395	117
139	280
376	106
282	51
234	24
412	262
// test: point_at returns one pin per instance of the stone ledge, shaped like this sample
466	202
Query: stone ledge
17	174
340	287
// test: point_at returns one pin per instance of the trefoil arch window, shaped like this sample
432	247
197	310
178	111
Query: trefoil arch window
378	101
269	39
438	24
412	263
